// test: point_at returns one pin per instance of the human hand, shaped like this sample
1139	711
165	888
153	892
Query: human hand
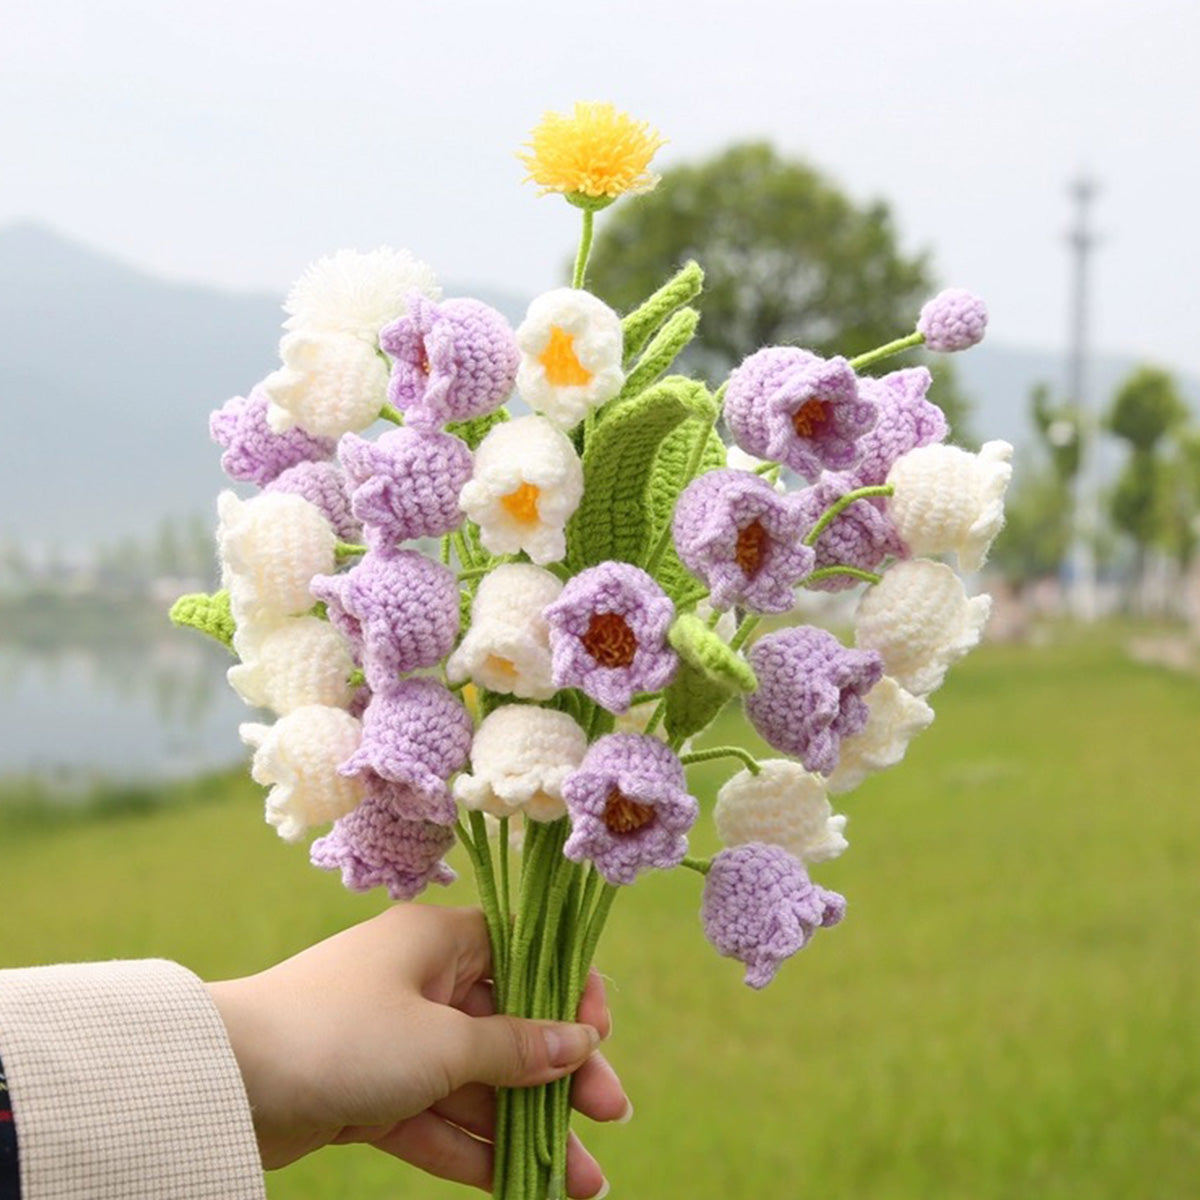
386	1034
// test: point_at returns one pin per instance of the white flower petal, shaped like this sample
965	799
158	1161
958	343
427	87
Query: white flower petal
296	662
895	718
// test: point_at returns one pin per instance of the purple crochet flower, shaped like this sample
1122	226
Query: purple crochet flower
810	693
861	535
629	807
760	907
906	420
415	734
453	360
953	320
253	453
406	484
791	406
737	534
399	612
374	846
608	635
323	485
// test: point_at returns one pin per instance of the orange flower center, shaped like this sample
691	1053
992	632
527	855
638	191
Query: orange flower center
609	640
561	363
809	417
501	666
522	504
751	549
622	815
423	359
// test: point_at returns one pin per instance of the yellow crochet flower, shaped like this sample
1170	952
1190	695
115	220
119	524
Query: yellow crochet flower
593	155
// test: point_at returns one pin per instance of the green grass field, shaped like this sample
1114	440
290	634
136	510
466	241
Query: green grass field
1010	1010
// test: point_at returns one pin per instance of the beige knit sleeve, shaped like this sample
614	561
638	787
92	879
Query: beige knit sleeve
124	1086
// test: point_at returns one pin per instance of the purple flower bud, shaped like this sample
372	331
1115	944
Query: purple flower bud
629	807
953	320
405	485
253	453
810	693
760	907
453	360
737	534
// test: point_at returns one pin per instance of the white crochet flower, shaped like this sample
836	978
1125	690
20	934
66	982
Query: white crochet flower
571	345
329	384
519	759
526	483
356	293
783	805
298	758
507	648
894	718
293	663
919	619
948	499
270	547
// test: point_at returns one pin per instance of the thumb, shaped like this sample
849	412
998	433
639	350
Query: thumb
515	1052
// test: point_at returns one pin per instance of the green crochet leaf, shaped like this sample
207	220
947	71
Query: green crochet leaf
613	520
662	351
477	428
693	701
710	654
668	477
208	614
638	327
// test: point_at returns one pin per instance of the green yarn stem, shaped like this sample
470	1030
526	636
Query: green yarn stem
833	572
664	538
489	901
504	854
744	630
880	352
699	756
835	509
699	865
656	716
349	550
585	248
465	557
473	573
389	412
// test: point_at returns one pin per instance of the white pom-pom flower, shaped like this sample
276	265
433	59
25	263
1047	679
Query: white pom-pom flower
526	483
507	648
329	384
519	759
356	293
294	663
948	499
920	620
783	805
894	718
270	547
298	759
571	345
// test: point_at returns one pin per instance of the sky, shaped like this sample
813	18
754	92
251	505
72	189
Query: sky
232	142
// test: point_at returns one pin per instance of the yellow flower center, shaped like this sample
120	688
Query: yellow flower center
522	505
623	815
501	666
561	363
751	549
609	640
809	417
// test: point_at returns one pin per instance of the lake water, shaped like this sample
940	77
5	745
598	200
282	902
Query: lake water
123	712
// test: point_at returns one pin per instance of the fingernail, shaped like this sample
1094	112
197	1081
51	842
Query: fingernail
627	1115
566	1044
604	1190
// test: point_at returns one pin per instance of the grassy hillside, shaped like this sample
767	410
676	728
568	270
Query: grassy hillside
1011	1008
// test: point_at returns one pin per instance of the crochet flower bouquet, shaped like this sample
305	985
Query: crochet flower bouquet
504	627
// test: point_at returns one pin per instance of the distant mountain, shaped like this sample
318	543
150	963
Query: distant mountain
108	374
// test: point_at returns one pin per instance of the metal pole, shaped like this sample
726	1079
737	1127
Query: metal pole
1083	598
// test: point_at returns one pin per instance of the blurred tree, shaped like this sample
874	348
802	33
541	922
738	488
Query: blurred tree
1146	408
1037	530
788	258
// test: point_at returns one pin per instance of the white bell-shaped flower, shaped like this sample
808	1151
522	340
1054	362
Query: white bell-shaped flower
894	718
783	805
293	663
519	759
298	758
920	620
